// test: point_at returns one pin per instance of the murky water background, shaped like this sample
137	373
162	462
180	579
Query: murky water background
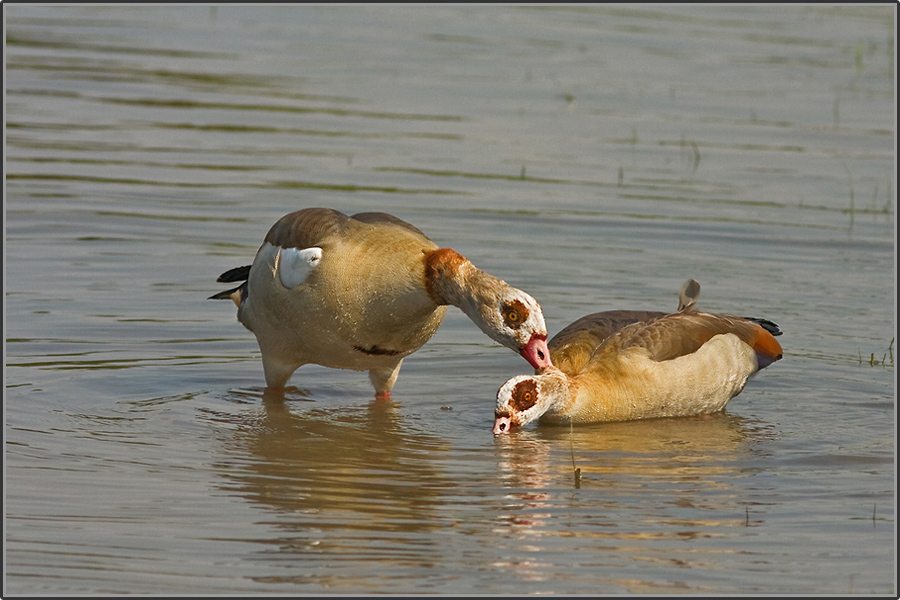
594	156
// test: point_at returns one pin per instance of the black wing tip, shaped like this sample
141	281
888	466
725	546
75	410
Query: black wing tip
229	294
236	274
226	295
766	324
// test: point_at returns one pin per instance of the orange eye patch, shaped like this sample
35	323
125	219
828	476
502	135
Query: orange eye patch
515	313
524	395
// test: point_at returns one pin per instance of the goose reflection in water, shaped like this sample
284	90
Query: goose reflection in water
699	468
334	467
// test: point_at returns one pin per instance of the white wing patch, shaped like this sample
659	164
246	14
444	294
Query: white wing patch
294	265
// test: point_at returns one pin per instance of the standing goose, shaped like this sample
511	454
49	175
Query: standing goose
364	291
625	365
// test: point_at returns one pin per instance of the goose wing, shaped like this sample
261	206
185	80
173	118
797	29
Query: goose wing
680	334
572	347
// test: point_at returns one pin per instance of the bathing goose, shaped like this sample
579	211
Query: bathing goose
364	291
625	365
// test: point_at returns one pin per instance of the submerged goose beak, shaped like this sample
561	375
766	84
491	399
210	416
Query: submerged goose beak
536	352
503	424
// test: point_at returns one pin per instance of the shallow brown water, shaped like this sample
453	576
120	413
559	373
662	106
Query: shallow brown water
594	156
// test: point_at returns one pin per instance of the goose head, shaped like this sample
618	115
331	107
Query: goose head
514	319
524	398
506	314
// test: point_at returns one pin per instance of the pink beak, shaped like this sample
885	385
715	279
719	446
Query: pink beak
502	425
536	352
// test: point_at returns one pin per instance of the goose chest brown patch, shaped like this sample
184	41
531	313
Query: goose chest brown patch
439	265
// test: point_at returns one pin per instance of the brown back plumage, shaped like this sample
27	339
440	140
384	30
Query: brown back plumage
380	217
306	228
572	347
683	333
599	336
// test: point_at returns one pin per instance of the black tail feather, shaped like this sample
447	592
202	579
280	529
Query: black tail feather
236	274
767	325
229	294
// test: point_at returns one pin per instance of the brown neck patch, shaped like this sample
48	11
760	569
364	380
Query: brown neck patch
440	265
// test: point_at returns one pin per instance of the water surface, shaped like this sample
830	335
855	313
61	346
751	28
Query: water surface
595	156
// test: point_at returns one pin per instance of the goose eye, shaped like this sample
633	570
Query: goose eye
514	314
524	395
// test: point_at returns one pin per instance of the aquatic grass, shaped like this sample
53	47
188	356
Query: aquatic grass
693	157
575	470
887	359
852	194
